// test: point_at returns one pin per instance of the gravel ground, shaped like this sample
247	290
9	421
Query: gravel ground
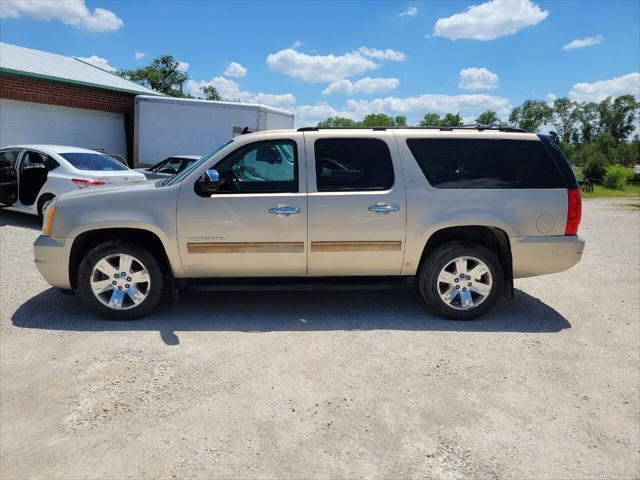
329	385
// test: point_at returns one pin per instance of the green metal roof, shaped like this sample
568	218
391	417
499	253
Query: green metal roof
27	62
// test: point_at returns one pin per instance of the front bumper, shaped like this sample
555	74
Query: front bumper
51	256
534	256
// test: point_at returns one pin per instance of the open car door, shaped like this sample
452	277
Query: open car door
8	177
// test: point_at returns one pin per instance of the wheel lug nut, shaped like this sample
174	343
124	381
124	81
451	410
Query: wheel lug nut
126	286
123	274
128	279
464	289
114	282
116	276
456	280
469	284
461	275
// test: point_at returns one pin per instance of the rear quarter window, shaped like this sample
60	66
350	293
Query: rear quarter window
485	163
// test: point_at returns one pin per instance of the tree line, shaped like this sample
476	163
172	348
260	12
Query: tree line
592	135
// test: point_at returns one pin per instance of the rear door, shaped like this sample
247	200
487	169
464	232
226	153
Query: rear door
8	177
357	205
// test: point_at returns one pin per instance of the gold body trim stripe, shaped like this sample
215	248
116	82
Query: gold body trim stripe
356	246
246	247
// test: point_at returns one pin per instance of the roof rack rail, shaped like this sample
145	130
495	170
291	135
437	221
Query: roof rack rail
444	129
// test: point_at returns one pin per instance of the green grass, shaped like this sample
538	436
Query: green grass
599	192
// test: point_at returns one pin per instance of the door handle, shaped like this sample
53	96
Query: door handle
284	210
384	208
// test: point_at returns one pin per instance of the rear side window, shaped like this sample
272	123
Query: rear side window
344	164
8	158
485	163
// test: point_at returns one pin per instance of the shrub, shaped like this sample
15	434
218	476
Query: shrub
595	166
617	177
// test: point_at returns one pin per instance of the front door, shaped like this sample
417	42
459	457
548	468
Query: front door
357	211
8	177
256	225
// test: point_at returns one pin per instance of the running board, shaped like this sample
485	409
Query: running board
299	283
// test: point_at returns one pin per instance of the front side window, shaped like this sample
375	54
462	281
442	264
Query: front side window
348	164
262	167
93	161
8	158
485	163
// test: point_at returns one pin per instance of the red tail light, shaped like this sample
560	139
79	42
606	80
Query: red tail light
574	211
86	182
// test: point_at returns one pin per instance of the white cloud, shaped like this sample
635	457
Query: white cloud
614	87
420	104
551	98
295	45
319	68
490	20
388	54
232	90
235	70
99	62
70	12
478	79
139	55
183	66
311	115
409	12
584	42
365	85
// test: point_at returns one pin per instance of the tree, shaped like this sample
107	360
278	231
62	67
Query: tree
380	120
588	122
531	115
337	122
488	118
431	120
617	116
210	92
162	75
452	120
401	121
564	118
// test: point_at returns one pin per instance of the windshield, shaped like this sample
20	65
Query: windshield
93	161
185	173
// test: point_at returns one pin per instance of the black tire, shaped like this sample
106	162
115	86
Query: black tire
47	197
148	259
443	255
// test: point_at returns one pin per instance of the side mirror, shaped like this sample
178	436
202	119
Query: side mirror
209	183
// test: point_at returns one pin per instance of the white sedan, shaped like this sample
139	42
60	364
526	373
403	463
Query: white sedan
33	175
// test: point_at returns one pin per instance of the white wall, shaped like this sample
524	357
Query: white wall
26	122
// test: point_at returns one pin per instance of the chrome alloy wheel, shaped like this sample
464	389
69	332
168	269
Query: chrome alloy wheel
464	283
120	281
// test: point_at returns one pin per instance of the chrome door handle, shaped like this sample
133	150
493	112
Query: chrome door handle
384	208
284	210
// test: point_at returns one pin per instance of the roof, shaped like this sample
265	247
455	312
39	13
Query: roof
50	66
213	103
51	148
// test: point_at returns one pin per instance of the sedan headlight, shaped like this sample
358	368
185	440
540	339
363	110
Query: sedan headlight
49	214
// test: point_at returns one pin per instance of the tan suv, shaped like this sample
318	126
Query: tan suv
458	211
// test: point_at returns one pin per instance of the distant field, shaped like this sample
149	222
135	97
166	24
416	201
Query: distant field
600	191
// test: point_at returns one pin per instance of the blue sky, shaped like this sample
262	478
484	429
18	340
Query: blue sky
351	58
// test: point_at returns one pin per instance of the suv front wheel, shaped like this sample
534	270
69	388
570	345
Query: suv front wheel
120	281
461	281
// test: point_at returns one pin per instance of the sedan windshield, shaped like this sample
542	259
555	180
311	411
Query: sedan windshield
93	161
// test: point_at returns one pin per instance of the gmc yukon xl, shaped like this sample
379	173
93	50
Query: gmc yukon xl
460	212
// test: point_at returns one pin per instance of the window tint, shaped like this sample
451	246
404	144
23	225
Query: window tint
93	161
8	158
353	164
484	163
262	167
51	163
170	165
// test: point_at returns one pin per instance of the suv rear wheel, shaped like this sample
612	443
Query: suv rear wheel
461	281
120	281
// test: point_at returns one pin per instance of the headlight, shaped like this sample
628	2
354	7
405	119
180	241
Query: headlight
49	214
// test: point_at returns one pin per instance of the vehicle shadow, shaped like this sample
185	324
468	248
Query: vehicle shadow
256	312
19	219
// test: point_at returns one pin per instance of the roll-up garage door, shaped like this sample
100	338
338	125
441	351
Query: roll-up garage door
36	123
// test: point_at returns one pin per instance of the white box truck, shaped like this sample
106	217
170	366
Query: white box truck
166	126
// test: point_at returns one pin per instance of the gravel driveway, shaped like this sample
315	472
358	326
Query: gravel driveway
328	385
